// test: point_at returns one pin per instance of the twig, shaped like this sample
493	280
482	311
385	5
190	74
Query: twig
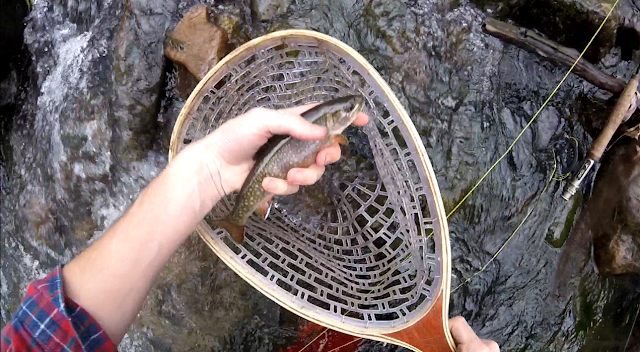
553	52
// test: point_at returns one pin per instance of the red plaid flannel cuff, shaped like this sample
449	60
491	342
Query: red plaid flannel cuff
48	320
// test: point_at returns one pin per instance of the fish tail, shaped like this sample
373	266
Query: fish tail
236	231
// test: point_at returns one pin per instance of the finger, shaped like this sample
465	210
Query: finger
306	176
474	346
361	120
298	110
493	346
329	155
278	186
275	122
461	331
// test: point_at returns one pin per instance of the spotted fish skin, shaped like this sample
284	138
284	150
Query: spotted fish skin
282	153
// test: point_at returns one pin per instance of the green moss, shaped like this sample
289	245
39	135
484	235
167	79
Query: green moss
375	13
450	204
524	348
568	224
586	311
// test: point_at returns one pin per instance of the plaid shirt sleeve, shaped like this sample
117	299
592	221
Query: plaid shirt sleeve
48	320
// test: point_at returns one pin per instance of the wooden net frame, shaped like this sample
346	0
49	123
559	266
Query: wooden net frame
374	259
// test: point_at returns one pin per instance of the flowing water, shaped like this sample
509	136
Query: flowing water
90	128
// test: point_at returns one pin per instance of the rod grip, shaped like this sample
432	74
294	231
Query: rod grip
615	119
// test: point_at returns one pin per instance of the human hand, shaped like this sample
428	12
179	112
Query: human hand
466	339
228	151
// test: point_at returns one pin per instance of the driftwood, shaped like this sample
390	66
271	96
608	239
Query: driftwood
553	52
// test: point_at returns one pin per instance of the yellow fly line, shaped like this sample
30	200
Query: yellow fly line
535	116
552	177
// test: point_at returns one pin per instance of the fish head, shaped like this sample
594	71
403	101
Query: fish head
347	112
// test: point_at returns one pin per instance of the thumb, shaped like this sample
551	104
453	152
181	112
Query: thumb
461	331
274	122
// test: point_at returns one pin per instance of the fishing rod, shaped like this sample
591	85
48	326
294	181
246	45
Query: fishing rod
625	107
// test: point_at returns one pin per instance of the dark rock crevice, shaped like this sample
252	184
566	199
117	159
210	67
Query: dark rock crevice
571	23
628	39
158	127
15	69
12	14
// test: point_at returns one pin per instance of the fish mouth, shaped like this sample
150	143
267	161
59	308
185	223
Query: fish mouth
348	113
358	105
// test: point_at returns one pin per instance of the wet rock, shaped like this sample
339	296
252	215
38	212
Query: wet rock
138	73
620	256
610	221
634	338
88	138
606	307
198	303
229	22
265	10
616	203
571	23
196	42
80	151
82	157
96	111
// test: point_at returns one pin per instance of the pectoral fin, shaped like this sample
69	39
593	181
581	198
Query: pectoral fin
236	231
341	139
264	208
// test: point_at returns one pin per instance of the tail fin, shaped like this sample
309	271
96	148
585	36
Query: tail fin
236	231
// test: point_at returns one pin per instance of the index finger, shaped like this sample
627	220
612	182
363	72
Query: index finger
361	120
298	110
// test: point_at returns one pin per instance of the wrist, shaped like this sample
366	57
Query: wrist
195	172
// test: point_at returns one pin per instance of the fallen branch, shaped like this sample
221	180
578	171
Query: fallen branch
553	52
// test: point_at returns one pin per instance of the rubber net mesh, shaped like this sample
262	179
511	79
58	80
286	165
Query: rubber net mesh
359	246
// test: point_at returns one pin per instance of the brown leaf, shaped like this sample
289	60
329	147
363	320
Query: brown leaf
633	132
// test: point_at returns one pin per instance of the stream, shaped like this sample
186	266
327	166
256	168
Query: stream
87	115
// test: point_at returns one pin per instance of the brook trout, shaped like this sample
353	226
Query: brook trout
282	153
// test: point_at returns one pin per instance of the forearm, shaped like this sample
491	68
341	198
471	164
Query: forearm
112	277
